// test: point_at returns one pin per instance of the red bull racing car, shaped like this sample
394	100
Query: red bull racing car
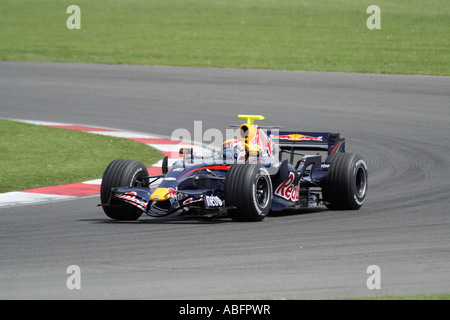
262	170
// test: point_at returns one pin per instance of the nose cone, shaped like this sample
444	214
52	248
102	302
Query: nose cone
160	194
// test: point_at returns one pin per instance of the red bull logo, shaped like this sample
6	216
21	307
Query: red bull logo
262	141
172	192
288	190
298	137
131	197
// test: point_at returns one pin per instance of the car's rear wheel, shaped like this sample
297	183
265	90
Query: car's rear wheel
248	188
345	187
121	173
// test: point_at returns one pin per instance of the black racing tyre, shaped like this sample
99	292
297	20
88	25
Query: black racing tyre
121	173
345	187
165	165
248	188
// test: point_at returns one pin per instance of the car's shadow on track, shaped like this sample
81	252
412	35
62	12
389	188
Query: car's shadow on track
162	220
297	212
175	219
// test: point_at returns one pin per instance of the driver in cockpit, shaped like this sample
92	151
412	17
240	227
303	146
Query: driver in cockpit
234	152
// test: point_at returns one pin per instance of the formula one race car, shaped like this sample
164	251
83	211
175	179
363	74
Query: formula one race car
246	180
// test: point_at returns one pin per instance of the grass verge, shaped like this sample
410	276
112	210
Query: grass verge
327	35
441	296
34	156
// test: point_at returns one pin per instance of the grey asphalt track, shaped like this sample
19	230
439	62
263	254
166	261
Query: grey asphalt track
400	124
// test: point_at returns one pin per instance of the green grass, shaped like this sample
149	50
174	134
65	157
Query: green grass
33	156
442	296
326	35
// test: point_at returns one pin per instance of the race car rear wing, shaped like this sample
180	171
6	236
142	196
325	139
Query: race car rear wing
291	141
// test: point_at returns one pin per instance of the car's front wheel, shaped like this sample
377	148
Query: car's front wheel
121	173
248	188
